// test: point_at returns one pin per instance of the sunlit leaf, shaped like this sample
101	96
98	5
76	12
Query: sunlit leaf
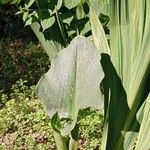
30	2
73	80
67	18
130	56
98	33
100	6
71	3
46	23
144	133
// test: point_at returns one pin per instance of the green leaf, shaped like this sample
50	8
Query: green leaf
42	3
129	50
144	133
100	6
116	107
54	4
67	18
130	140
30	3
130	56
86	28
25	16
61	141
65	87
55	123
15	1
3	2
47	23
71	3
130	137
80	12
50	46
43	13
98	33
33	17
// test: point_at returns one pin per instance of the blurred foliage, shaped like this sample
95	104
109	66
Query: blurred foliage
19	60
5	15
24	125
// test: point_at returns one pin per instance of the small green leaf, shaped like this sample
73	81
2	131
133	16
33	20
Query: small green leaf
74	132
59	4
98	33
25	16
43	13
80	12
100	6
33	17
54	4
15	1
30	3
71	32
67	18
46	23
55	123
86	28
71	3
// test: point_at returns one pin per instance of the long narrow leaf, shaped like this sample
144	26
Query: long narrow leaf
144	133
98	33
130	55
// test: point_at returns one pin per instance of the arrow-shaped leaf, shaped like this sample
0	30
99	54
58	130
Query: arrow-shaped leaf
73	81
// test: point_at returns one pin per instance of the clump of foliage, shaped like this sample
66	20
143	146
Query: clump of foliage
56	23
20	60
6	13
90	129
23	124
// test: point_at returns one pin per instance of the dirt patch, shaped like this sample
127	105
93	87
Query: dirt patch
8	140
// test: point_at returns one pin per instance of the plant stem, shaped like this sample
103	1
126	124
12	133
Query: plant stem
61	27
61	142
64	143
72	144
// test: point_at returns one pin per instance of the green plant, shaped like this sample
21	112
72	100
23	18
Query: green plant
127	99
7	12
64	90
126	83
90	129
23	124
56	23
21	60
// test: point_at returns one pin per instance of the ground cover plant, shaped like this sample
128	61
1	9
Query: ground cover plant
24	125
